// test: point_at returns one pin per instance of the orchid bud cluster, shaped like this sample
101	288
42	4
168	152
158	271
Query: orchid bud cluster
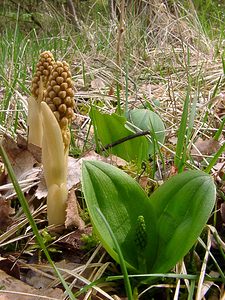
50	112
43	70
60	97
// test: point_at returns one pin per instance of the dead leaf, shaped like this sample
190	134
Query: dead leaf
73	218
143	181
151	90
220	168
5	211
3	175
222	212
111	91
173	140
10	267
220	105
204	147
23	162
116	161
12	285
72	241
97	84
4	297
21	141
208	284
35	151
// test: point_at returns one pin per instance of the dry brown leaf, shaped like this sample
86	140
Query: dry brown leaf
220	105
204	147
3	176
4	297
152	90
35	151
208	284
143	181
23	162
72	241
173	140
116	161
73	218
97	84
111	91
10	267
5	211
222	212
19	289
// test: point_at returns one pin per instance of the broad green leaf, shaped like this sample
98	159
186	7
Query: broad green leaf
111	128
122	202
182	206
153	233
146	119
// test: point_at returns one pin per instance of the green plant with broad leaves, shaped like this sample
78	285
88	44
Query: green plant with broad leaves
154	232
132	145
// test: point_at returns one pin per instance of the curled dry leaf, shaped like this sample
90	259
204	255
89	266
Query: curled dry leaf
73	218
97	84
207	285
204	147
42	278
220	105
10	267
5	211
222	212
73	241
14	285
23	162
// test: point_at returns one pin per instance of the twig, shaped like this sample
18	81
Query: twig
73	15
119	47
124	139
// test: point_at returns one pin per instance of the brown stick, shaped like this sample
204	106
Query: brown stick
124	139
119	48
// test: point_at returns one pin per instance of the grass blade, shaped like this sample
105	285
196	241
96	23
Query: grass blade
181	142
215	158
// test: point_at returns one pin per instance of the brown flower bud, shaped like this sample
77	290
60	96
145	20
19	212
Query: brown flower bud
43	69
62	108
64	86
57	101
61	95
59	80
52	106
52	94
56	88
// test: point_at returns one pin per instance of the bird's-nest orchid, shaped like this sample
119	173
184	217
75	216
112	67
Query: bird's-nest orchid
57	114
38	86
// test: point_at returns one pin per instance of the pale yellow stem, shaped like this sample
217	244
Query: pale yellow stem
56	204
54	161
34	122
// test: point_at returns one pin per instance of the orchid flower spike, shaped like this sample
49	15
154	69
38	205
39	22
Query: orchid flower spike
38	86
57	114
